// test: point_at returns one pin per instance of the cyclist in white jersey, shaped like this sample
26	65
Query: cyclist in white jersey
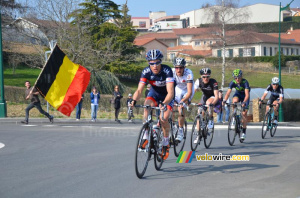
184	90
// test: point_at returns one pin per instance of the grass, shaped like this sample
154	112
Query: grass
21	74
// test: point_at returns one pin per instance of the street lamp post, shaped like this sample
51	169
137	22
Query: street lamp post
2	100
279	55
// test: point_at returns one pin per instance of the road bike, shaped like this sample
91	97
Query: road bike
235	126
149	143
203	131
177	145
268	123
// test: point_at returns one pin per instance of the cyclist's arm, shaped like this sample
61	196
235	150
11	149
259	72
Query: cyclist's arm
216	93
138	93
247	95
170	95
196	85
281	95
189	92
264	95
227	95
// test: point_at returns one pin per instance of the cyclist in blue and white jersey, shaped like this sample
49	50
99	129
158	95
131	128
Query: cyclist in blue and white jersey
160	77
276	97
184	90
242	94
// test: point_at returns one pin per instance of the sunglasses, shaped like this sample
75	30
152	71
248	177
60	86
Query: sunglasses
155	63
205	76
179	67
236	77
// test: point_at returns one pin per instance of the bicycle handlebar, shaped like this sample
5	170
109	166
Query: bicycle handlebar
199	105
178	105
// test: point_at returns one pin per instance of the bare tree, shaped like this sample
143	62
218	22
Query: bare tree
224	16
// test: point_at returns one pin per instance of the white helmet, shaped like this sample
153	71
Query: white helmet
275	81
130	95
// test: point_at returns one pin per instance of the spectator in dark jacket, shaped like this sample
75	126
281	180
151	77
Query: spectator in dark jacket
117	97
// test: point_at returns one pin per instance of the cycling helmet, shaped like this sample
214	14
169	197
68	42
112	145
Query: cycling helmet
130	95
154	54
275	81
179	62
237	73
205	71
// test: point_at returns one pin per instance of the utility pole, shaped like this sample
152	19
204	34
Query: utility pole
3	111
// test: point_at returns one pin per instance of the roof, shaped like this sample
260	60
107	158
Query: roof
254	37
167	18
156	35
140	18
196	52
191	31
180	48
144	41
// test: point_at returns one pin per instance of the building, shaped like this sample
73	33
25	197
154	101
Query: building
141	24
151	43
252	44
258	13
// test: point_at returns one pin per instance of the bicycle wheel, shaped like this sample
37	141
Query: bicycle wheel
178	145
143	152
273	129
232	129
265	126
209	136
158	161
195	134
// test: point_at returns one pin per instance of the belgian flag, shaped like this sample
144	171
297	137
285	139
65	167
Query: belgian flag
62	82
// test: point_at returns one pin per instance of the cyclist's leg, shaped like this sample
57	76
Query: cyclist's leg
275	107
210	108
202	101
244	114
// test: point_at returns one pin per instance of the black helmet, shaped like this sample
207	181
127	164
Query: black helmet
179	62
154	54
205	71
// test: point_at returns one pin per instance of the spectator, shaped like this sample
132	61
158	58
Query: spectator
95	97
129	110
147	90
32	94
220	112
117	96
78	108
227	110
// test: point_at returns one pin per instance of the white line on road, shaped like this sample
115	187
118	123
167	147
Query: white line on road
2	145
252	127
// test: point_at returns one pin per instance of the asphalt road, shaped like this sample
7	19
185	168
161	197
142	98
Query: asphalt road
84	160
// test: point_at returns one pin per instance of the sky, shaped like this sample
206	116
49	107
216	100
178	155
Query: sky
141	8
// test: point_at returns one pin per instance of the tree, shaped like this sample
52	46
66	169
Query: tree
223	17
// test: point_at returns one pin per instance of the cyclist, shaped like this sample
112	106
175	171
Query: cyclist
209	87
276	97
242	94
160	77
184	90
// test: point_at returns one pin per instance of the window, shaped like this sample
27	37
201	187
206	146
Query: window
210	42
204	42
265	51
297	51
276	50
246	52
197	43
142	24
287	51
271	53
292	51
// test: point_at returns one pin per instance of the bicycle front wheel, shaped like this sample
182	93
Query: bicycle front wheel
178	145
143	151
232	129
195	135
265	126
209	136
273	129
158	160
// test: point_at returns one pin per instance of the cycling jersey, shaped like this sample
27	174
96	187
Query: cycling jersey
240	91
240	88
207	89
158	82
181	84
278	92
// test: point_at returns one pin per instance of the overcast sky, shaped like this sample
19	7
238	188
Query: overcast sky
141	8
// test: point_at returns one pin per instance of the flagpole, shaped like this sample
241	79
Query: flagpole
3	109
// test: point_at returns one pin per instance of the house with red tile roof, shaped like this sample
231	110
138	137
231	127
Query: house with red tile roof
151	43
255	44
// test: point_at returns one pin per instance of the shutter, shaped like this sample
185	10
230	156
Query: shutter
219	53
253	51
230	52
240	52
